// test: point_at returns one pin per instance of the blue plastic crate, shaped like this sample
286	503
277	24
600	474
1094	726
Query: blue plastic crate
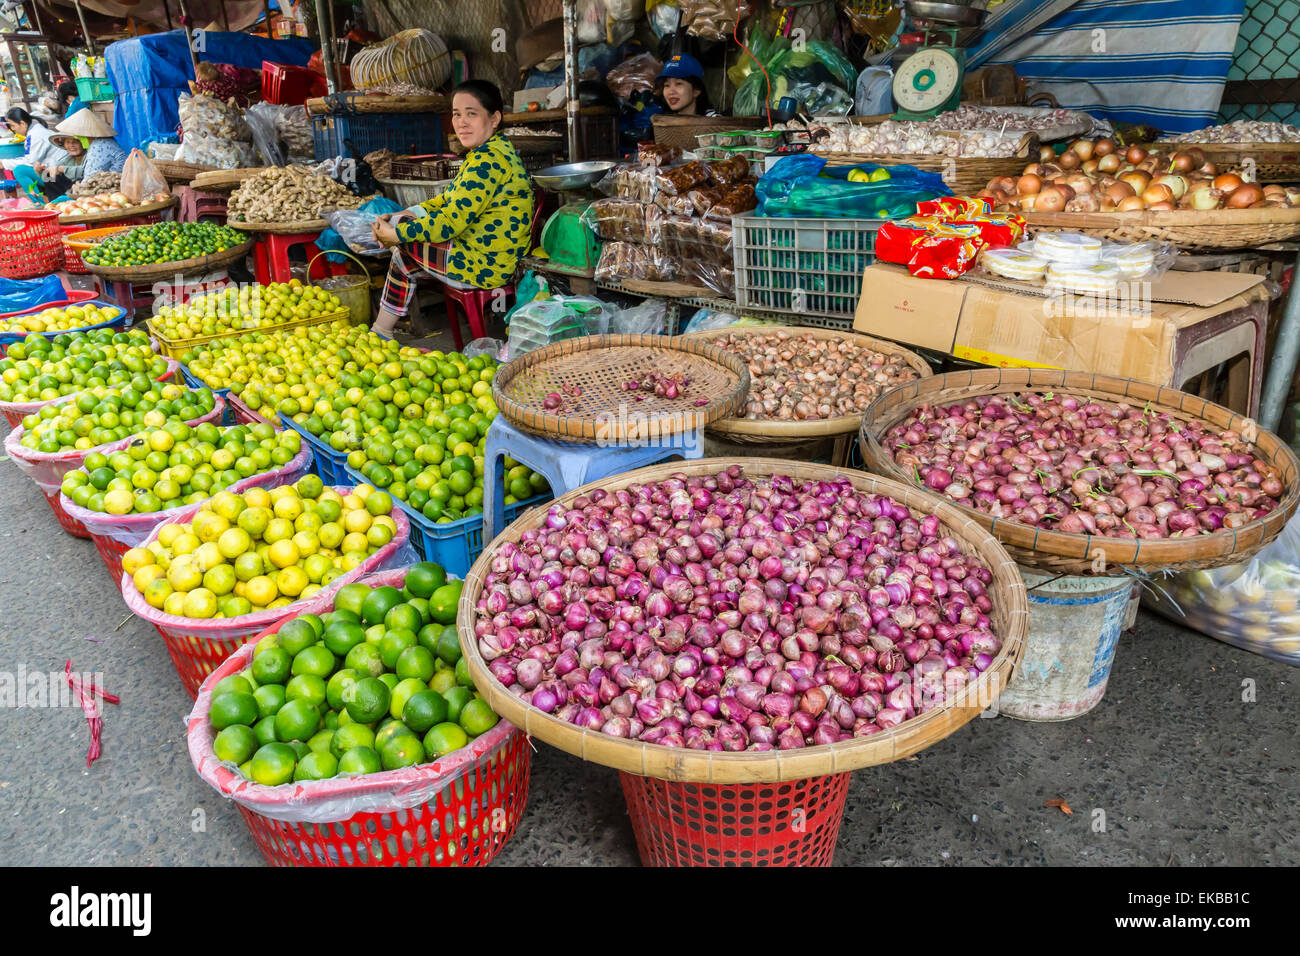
117	323
193	381
407	134
331	465
454	544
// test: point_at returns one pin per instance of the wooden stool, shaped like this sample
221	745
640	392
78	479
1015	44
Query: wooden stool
271	257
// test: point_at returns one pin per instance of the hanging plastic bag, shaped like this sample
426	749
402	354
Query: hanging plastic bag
805	186
141	179
632	75
648	318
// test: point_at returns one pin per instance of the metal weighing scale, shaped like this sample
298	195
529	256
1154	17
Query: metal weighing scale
568	242
929	82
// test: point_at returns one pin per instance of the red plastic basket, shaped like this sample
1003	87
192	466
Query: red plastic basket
246	416
73	264
31	243
765	824
466	822
111	553
286	85
66	521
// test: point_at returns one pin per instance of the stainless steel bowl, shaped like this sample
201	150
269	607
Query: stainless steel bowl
956	14
573	175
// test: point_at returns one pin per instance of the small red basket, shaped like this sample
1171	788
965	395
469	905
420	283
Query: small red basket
763	824
31	243
66	521
286	85
246	416
111	553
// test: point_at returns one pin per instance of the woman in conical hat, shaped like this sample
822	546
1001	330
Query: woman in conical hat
90	146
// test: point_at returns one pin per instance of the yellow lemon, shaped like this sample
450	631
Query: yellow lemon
331	534
185	543
355	542
289	507
199	603
279	529
234	542
144	576
184	575
358	521
284	553
228	505
208	556
135	559
174	604
260	591
209	526
291	581
157	592
257	498
306	542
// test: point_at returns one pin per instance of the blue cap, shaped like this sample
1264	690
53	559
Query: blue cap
683	67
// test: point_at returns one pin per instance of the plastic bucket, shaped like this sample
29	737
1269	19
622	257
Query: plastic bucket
353	290
1074	627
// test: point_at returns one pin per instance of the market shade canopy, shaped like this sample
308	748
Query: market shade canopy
149	73
240	14
1158	64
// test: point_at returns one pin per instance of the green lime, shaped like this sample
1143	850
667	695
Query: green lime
271	666
265	730
337	686
393	644
421	606
477	717
234	684
403	692
270	698
403	750
235	743
391	679
457	697
424	709
314	622
443	681
369	700
320	741
234	708
298	719
449	645
306	687
403	617
350	597
415	662
378	603
273	764
299	748
365	659
429	635
297	635
353	735
316	766
341	636
462	673
443	601
317	660
360	760
443	739
424	578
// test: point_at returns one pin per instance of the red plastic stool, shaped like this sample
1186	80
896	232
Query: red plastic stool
197	205
271	257
474	303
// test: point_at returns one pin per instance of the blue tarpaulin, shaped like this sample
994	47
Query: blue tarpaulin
149	74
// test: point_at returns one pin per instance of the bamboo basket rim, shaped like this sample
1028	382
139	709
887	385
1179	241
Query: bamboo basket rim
175	170
574	428
80	245
163	270
1165	217
224	180
773	430
116	214
290	228
701	766
1054	551
1228	147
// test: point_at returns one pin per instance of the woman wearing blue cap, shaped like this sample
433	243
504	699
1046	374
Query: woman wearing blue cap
680	87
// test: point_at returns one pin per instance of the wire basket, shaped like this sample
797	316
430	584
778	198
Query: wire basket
31	243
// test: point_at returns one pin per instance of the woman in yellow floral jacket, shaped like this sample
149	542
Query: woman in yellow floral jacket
484	218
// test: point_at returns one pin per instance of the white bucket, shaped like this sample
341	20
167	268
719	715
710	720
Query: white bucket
1074	626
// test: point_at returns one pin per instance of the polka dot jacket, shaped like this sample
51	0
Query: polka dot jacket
486	215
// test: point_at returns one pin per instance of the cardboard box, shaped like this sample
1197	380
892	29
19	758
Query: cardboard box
538	94
1132	337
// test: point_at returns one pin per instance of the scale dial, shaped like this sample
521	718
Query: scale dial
926	80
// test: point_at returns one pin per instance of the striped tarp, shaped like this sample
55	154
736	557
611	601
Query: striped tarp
1159	62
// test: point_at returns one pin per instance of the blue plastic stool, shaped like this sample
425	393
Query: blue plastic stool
566	465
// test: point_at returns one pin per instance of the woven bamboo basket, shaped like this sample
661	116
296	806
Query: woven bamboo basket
1217	230
224	180
682	130
1010	622
175	171
116	214
776	431
1272	162
964	175
166	270
1080	554
281	228
600	365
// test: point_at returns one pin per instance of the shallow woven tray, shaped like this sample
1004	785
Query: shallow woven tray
1218	230
224	180
116	214
682	130
175	171
280	228
1076	554
775	431
964	175
1273	162
183	267
1010	622
599	365
82	241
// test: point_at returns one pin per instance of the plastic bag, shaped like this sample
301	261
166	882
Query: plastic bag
494	348
625	220
140	178
804	186
627	260
591	21
353	226
841	68
824	99
1254	606
133	530
337	798
19	294
633	75
282	134
214	133
707	320
874	90
648	318
529	289
713	19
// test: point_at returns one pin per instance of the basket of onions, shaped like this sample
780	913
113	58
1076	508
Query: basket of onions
736	639
806	382
1137	193
111	207
1271	151
1081	474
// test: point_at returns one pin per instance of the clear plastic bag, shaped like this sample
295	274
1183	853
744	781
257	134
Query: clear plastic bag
708	320
647	318
628	260
1254	606
353	227
282	134
625	220
140	178
633	75
488	346
214	133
